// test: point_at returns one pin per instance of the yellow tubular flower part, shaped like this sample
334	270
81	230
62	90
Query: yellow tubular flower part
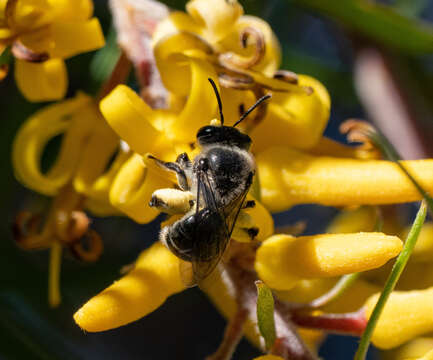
154	278
216	16
407	314
283	260
352	300
60	29
262	219
294	119
428	356
412	350
41	81
225	302
423	251
351	221
133	187
329	147
75	119
289	177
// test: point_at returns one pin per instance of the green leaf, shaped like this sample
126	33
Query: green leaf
104	60
393	277
6	56
379	22
265	313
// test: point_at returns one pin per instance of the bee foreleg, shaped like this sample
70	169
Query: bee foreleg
172	201
177	168
245	229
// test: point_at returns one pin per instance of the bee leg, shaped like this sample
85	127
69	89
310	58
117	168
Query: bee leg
249	204
184	161
172	201
244	234
176	167
245	229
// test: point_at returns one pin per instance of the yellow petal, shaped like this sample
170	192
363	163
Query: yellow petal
72	38
272	57
217	16
41	81
172	63
66	10
328	147
412	350
407	314
131	118
133	187
263	220
350	221
175	22
289	177
201	104
423	251
92	177
294	119
283	260
75	118
145	288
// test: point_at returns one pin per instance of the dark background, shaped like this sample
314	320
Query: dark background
186	326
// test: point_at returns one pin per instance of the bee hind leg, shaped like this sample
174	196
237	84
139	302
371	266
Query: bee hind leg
172	201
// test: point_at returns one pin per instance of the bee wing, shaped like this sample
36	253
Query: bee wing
220	223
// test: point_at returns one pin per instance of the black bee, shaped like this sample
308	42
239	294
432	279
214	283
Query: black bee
213	187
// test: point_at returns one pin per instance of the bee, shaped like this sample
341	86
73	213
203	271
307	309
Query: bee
213	190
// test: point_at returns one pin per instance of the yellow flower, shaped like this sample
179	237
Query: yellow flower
407	314
42	34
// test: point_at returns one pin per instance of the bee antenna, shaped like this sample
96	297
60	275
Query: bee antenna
217	94
246	113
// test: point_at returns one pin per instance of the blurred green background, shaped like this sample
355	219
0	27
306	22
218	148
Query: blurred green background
319	38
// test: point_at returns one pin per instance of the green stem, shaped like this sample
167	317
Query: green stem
393	277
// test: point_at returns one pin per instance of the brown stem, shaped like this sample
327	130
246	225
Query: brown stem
118	76
232	336
348	323
243	281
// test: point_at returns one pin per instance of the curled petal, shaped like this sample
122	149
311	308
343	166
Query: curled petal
131	118
176	21
72	38
141	291
75	119
283	260
92	251
216	16
172	61
65	10
289	177
133	187
44	81
407	314
297	120
270	58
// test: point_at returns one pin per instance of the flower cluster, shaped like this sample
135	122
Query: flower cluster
40	35
296	164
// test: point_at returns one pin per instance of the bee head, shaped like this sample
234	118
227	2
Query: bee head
223	135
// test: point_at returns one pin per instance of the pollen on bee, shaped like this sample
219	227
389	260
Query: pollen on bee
215	122
171	201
